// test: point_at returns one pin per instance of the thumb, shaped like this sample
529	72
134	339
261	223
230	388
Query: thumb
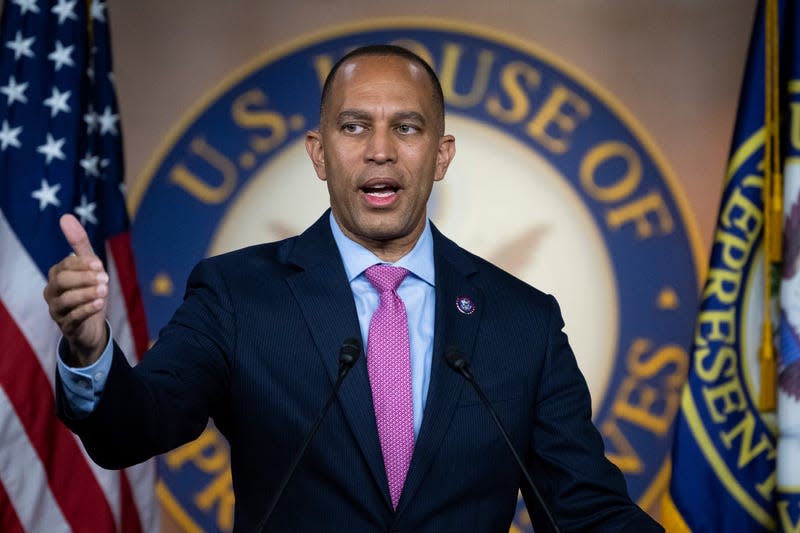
76	236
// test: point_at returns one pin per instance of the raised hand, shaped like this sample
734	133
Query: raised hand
76	294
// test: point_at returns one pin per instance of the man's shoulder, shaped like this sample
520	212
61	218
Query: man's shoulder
313	245
259	258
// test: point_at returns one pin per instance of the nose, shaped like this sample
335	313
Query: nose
381	148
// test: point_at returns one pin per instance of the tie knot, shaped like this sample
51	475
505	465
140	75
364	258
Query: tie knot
385	277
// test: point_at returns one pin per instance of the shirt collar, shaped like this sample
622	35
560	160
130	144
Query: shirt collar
356	258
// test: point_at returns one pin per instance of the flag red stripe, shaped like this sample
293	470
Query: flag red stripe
9	521
130	520
71	480
120	246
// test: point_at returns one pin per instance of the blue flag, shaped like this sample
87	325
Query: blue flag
728	474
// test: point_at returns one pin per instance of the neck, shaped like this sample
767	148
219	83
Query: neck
390	252
387	250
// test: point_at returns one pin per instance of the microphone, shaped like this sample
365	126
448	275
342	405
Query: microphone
459	363
349	353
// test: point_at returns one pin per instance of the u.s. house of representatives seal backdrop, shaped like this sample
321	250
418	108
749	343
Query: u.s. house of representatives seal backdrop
553	180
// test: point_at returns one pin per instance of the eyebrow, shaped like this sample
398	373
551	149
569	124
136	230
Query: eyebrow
357	114
352	114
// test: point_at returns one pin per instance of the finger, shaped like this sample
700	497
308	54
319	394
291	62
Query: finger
63	306
74	272
78	316
76	236
66	280
77	264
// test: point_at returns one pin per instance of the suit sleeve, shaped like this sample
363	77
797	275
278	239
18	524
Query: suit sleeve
166	400
583	489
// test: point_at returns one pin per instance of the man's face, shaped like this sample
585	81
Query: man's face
380	148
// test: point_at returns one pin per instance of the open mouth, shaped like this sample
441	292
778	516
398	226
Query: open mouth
381	190
381	193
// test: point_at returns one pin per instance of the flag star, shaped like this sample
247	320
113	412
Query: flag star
15	91
52	148
108	122
21	46
9	136
62	56
91	119
90	164
85	211
103	166
47	195
26	5
65	9
58	102
98	10
90	72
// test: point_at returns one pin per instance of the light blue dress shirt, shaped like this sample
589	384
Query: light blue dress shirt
418	294
83	386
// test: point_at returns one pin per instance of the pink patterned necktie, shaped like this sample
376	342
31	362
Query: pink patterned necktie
389	366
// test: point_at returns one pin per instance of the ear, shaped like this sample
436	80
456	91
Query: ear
446	153
316	152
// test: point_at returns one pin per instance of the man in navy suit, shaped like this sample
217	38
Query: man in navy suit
256	341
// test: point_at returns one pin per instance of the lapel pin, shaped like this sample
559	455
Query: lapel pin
465	305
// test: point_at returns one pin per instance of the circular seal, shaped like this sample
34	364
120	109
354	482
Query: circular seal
554	181
465	305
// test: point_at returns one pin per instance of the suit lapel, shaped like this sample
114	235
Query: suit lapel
454	269
326	300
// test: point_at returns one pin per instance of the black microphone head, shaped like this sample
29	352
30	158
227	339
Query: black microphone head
455	359
350	351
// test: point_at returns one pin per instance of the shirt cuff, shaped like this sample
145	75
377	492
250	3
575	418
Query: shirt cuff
84	385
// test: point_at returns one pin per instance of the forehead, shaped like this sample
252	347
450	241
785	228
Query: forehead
381	76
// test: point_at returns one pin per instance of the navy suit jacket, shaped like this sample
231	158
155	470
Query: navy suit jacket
255	346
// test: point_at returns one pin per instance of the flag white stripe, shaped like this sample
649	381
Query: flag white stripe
142	479
788	461
23	476
108	481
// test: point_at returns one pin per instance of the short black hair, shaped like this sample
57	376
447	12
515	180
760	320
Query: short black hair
384	50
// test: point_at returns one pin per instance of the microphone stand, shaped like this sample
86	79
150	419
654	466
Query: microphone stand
348	355
459	363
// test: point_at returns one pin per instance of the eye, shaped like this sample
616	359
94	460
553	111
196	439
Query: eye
352	128
406	129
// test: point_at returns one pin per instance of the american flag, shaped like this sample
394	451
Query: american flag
60	152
